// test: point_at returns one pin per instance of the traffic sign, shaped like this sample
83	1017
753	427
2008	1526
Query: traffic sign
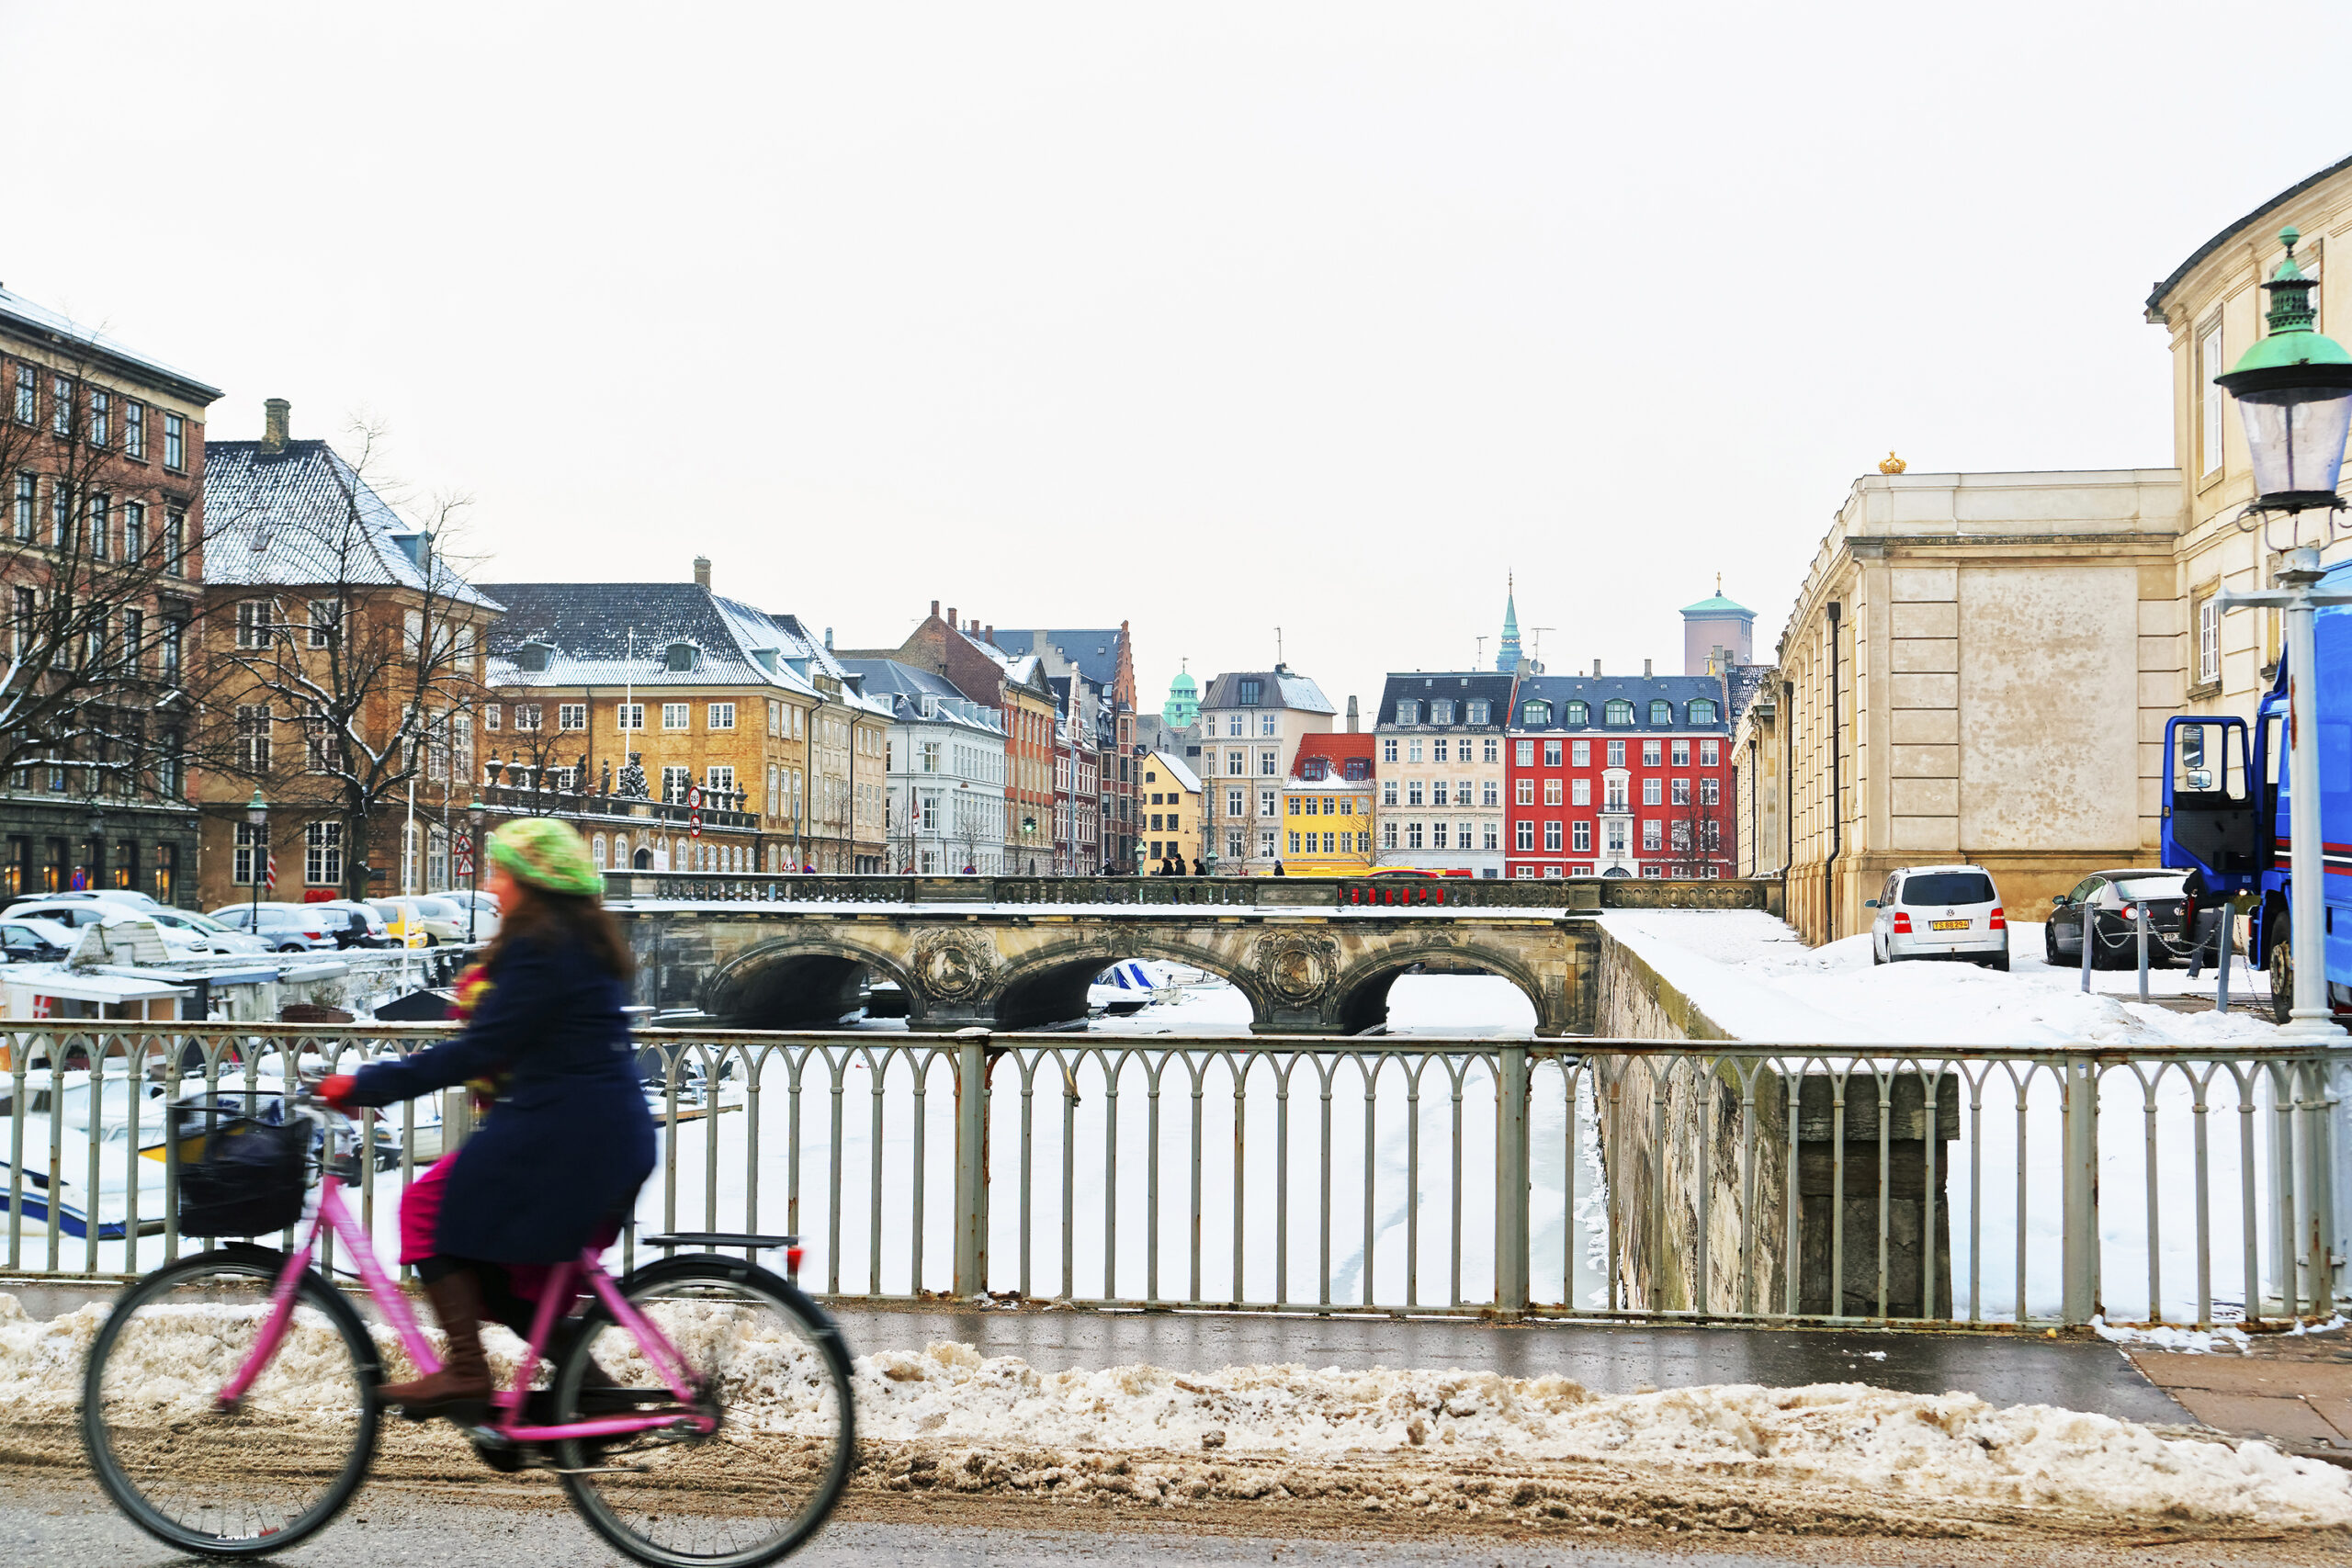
693	797
462	846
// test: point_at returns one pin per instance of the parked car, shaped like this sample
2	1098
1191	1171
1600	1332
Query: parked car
363	926
1939	911
2112	900
224	939
485	912
70	912
422	921
95	896
34	940
286	928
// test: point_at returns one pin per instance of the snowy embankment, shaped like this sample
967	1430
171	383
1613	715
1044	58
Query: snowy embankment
1944	1449
1753	974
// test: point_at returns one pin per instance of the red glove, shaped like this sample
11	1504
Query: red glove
336	1090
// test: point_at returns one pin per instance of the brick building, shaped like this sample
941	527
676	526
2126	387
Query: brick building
102	536
1619	776
1104	659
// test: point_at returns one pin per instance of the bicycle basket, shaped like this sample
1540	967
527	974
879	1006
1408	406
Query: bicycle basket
244	1163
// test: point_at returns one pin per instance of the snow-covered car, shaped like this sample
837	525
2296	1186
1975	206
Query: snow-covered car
363	924
201	933
285	928
1939	911
34	940
2111	900
93	896
485	910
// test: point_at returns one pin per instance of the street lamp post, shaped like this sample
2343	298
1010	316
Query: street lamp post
257	819
2294	392
473	864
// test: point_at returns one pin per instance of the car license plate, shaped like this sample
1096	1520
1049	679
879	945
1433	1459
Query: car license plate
1948	925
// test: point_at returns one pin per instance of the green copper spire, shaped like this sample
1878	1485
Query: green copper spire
1183	708
1506	655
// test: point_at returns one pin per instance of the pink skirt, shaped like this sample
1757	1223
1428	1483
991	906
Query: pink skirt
421	1220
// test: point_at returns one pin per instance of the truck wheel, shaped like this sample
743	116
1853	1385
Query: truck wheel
2282	970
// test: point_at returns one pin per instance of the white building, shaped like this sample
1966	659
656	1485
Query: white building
945	771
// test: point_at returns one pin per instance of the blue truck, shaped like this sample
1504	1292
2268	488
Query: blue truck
2225	807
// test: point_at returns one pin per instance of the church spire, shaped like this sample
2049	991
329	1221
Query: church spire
1506	655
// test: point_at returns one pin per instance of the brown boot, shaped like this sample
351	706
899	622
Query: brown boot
463	1377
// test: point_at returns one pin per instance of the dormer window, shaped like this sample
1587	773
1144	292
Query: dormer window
1536	714
681	657
1250	692
1575	715
1619	711
1702	711
1357	769
1661	713
1314	770
532	658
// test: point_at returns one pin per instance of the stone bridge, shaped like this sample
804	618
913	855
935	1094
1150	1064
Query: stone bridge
757	967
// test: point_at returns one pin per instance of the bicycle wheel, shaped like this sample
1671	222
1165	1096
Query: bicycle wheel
766	1361
252	1479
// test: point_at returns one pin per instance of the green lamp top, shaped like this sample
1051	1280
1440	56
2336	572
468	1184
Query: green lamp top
2290	340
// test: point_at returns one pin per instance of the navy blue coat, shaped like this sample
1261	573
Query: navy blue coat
570	1141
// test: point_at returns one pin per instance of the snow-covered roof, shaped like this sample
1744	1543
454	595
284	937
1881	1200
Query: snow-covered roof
304	517
901	688
42	322
608	633
1277	688
1178	769
1094	653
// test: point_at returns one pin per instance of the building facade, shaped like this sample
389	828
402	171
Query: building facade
1978	669
946	762
1757	774
1103	659
1168	805
1619	776
345	681
103	535
1252	723
1442	770
1328	808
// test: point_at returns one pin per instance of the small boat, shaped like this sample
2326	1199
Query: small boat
58	1104
1123	988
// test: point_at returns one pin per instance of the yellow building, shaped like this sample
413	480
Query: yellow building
1327	807
1168	811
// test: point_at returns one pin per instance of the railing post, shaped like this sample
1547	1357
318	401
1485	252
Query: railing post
2080	1252
971	1163
1510	1180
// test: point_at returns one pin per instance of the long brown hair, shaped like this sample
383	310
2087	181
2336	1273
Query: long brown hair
555	918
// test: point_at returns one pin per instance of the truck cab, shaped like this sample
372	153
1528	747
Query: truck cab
2226	800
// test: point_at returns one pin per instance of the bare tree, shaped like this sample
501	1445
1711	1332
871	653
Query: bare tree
340	678
100	540
1695	828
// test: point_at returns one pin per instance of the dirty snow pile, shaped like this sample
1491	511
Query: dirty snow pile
1754	975
1951	1445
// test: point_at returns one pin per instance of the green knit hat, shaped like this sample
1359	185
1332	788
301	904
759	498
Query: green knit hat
546	853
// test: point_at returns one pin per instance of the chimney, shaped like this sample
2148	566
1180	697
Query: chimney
1352	715
989	635
951	617
934	609
1596	667
1645	669
702	573
829	639
273	424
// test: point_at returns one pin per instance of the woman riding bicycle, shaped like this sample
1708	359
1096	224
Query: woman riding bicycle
569	1141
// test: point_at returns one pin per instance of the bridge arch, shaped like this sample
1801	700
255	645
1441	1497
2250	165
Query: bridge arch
803	980
1048	985
1360	994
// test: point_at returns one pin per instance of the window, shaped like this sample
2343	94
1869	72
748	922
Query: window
1536	714
1649	791
572	715
1437	792
1265	802
1661	713
1412	835
1653	753
2208	354
490	715
325	615
174	443
1413	791
1617	837
1578	715
1267	763
1616	753
1702	711
1580	836
1619	711
1489	792
1493	835
174	631
679	658
2209	639
1388	750
248	842
1580	792
1552	791
1525	831
1473	711
1551	753
1525	792
1649	833
1235	763
1612	793
1524	873
1437	749
253	738
1682	792
1388	791
1711	837
61	405
252	623
1442	711
1492	750
1408	712
322	854
1233	803
674	783
1357	769
60	513
134	530
101	416
28	396
1294	844
1681	752
1552	838
26	622
1232	724
1266	725
673	715
1413	750
723	715
1708	755
27	530
1388	835
175	541
632	714
528	716
315	740
1438	836
135	432
718	779
98	527
1266	843
1525	753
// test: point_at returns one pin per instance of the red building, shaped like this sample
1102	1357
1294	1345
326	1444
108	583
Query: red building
1618	776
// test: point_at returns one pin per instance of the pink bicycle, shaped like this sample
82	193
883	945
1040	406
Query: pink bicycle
699	1412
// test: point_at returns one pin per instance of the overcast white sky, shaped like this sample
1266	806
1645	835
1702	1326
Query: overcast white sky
1212	317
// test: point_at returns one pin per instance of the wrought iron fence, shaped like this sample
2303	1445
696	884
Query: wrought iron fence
1593	1177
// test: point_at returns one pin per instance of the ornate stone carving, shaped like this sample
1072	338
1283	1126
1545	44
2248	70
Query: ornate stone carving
1298	966
954	966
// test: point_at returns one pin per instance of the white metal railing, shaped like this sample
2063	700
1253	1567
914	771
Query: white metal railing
1587	1177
